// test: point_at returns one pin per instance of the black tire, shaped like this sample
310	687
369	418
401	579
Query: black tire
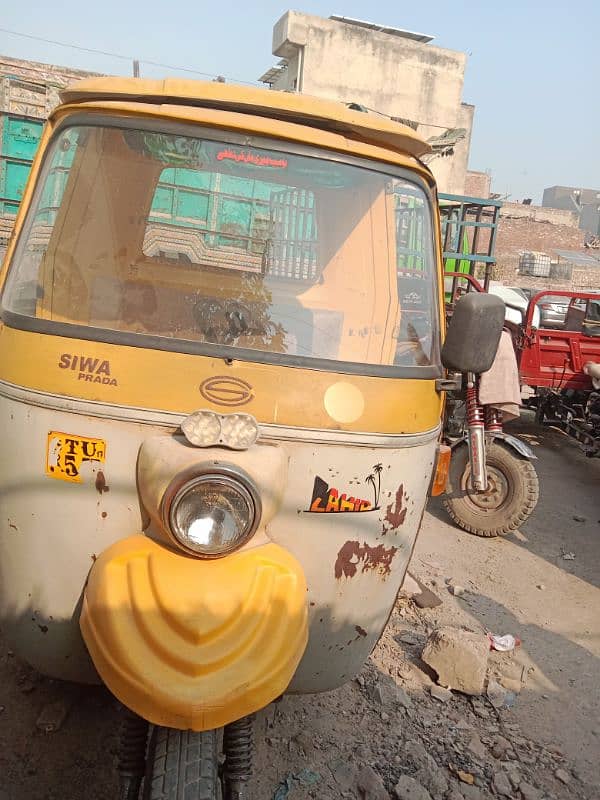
540	414
182	765
512	497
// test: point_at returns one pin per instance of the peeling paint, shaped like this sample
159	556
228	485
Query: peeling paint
360	631
101	483
395	512
354	555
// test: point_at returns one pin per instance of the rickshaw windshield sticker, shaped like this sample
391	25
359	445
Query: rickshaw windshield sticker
66	454
330	500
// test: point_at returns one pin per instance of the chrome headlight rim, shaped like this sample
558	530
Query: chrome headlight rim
230	476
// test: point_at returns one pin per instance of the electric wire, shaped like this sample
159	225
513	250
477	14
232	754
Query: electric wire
122	57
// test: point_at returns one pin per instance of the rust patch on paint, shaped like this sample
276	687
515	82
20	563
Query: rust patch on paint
353	556
395	513
101	483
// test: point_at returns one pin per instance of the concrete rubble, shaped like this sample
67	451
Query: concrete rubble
408	788
410	586
529	792
495	693
563	776
440	693
502	785
370	785
459	658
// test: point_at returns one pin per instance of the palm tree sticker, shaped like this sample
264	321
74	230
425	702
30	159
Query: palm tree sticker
377	470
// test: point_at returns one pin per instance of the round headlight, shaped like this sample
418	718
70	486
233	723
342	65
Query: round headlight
212	514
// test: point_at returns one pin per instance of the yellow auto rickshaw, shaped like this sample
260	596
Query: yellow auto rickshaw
221	386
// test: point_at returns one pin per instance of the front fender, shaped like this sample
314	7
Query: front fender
517	444
512	441
194	644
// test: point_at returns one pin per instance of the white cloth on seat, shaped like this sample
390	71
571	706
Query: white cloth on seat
593	370
499	386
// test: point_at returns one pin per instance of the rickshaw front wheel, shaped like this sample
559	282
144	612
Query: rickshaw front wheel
182	764
509	501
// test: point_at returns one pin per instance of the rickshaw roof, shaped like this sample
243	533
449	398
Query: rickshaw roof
286	106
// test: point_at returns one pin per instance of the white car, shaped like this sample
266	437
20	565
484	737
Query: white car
516	304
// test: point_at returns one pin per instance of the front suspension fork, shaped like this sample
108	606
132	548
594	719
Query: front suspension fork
237	769
480	420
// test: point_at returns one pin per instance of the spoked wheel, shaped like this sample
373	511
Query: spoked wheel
509	500
182	765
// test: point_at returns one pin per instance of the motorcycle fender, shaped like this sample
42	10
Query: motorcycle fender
512	441
463	440
517	444
191	643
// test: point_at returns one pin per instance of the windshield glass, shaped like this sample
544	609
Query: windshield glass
217	246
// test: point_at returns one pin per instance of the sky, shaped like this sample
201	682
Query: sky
533	69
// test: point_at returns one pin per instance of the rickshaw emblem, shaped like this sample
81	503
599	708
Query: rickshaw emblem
66	454
226	391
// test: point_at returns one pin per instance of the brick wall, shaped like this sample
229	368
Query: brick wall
581	279
477	184
557	216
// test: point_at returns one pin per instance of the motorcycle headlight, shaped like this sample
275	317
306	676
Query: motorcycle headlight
213	513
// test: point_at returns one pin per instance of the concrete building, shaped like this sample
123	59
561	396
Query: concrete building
584	202
391	71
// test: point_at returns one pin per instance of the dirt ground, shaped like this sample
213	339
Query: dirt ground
359	740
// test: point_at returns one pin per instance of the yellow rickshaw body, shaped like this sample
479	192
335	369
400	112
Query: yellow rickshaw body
92	408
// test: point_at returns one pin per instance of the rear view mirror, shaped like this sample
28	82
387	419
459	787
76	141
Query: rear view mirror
473	333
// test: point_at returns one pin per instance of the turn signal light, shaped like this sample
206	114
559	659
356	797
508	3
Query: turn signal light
442	470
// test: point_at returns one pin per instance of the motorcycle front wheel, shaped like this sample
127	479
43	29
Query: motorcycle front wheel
510	499
182	765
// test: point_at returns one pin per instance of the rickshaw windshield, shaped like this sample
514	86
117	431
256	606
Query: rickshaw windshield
200	244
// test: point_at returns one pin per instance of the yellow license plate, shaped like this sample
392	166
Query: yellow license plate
68	455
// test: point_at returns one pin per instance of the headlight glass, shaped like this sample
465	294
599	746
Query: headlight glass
213	514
